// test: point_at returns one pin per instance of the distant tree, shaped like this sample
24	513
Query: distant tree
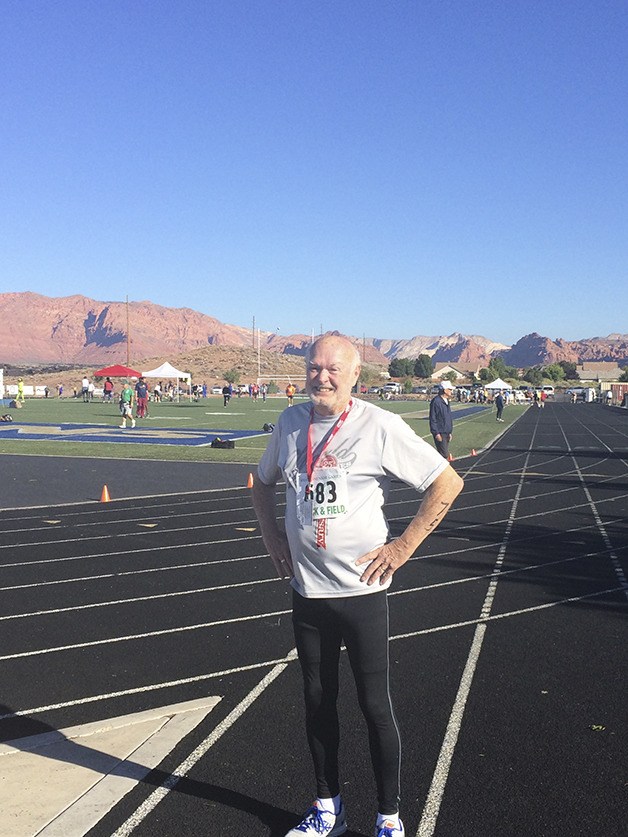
485	374
554	372
407	386
368	374
569	368
500	370
273	388
400	367
624	376
450	376
533	376
423	366
231	376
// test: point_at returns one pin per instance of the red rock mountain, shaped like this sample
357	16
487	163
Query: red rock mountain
75	330
534	349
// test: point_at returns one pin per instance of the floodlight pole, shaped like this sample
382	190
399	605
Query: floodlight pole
128	336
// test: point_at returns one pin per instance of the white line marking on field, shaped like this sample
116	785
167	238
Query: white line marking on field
267	663
139	599
63	782
441	772
187	764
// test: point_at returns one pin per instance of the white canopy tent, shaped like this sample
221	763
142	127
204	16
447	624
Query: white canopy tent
498	384
167	370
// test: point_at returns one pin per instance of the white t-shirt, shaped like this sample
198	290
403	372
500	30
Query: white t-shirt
338	516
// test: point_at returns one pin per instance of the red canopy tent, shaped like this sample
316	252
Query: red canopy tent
117	371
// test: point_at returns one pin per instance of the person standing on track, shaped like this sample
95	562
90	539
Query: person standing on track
441	421
338	456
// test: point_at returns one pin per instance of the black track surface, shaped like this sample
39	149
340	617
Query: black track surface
520	596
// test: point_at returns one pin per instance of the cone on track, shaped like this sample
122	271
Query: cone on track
450	458
104	497
249	482
473	452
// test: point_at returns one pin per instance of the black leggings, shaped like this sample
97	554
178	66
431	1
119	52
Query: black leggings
320	627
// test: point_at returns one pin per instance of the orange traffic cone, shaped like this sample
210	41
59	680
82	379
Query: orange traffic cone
104	497
473	452
249	483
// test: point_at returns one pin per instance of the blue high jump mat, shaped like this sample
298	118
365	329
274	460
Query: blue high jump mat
112	434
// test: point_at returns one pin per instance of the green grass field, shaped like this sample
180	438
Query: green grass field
470	432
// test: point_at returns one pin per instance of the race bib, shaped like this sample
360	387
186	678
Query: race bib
322	498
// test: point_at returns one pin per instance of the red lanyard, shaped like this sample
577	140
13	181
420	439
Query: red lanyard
311	462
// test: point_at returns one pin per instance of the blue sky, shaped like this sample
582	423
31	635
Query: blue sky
382	167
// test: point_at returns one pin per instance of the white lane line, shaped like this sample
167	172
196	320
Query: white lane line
132	551
267	663
439	780
431	809
154	597
187	764
134	496
508	614
612	553
101	576
134	534
145	635
153	687
279	613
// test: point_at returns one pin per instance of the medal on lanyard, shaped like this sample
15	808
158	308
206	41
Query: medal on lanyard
316	513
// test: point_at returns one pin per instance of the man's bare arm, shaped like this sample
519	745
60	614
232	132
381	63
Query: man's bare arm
274	538
383	561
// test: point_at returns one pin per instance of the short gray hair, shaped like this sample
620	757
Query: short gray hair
339	338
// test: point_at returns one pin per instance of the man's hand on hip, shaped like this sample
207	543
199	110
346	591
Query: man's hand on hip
382	562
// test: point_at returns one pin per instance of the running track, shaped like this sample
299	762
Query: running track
507	652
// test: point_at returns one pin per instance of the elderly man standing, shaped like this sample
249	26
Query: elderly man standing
338	455
441	422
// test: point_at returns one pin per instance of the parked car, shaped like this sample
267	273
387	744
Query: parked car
548	389
394	388
216	390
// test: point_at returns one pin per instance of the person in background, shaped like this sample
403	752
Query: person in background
441	421
107	390
499	405
127	397
141	394
85	389
20	390
290	393
338	456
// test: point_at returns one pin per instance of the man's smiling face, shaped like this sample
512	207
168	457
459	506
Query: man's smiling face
332	370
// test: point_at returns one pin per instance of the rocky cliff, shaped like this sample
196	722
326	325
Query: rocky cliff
76	330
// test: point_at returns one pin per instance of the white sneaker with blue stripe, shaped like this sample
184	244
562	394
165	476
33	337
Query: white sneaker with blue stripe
389	829
317	822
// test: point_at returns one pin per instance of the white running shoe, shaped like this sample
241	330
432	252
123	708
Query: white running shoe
389	829
318	821
123	427
132	423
